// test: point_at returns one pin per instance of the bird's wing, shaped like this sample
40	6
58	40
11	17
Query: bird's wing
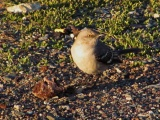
106	54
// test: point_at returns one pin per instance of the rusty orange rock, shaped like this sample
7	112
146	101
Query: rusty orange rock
46	89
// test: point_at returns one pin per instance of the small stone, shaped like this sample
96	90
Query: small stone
144	61
145	69
156	15
72	36
93	99
142	115
1	87
48	107
45	102
24	18
98	107
150	112
118	70
119	119
17	107
150	60
131	12
81	95
10	76
66	107
153	108
55	97
128	97
105	73
114	97
24	7
149	25
152	79
50	117
80	90
108	15
103	113
29	112
45	37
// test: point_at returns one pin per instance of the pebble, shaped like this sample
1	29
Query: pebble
50	117
80	90
1	87
81	95
16	113
118	70
103	113
105	73
98	107
153	108
45	37
72	35
10	76
48	107
114	97
131	12
24	18
145	69
21	72
150	112
65	107
29	112
150	60
156	15
17	107
149	25
45	102
24	7
108	15
128	97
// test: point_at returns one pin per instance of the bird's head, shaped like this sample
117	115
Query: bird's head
88	36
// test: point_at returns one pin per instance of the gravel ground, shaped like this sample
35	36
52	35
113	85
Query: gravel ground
127	93
131	93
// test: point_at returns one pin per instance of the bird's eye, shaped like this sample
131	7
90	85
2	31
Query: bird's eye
89	35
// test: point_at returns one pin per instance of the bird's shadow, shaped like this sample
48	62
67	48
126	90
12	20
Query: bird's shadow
100	86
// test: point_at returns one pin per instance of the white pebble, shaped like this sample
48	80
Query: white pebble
17	107
156	15
128	97
98	107
131	12
29	112
1	87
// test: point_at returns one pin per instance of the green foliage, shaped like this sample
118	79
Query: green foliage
58	14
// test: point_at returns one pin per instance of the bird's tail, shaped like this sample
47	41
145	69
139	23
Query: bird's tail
131	50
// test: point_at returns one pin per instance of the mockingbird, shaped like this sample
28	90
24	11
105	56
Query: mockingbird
93	56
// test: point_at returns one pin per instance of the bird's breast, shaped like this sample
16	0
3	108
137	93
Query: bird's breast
84	58
80	52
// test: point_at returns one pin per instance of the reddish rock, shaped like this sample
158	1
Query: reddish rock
46	89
